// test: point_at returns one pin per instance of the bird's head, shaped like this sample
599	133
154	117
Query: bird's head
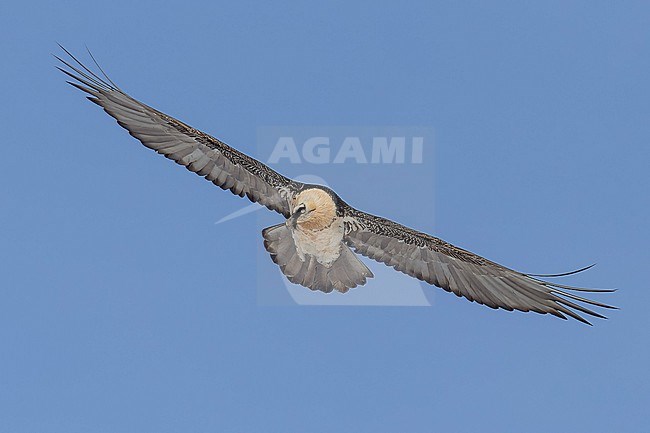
313	209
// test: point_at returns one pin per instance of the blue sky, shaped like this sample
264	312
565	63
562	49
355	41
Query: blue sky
124	308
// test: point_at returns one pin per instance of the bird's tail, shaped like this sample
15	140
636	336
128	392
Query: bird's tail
343	274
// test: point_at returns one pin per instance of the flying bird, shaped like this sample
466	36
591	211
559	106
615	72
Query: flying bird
317	244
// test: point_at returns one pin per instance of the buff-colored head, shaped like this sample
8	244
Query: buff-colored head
313	209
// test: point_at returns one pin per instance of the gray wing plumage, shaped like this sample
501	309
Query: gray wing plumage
198	152
466	274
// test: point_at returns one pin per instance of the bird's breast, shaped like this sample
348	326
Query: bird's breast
324	244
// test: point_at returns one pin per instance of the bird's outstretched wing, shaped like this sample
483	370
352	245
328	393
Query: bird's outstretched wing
437	262
199	152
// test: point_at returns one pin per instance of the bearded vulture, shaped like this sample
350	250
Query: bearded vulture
316	244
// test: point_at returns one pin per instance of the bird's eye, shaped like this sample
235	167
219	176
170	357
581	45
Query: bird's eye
301	208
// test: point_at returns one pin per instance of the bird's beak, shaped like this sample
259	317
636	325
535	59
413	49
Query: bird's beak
293	219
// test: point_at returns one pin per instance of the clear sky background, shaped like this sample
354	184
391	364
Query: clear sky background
124	308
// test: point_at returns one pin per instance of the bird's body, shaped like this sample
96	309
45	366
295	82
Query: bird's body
310	246
316	244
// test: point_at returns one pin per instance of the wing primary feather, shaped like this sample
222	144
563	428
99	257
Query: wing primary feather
562	274
585	300
101	69
82	88
576	289
97	77
97	82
